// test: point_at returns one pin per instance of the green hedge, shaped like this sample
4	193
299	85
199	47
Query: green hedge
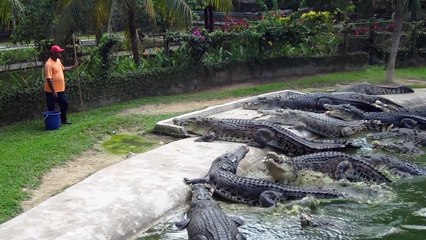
17	104
20	55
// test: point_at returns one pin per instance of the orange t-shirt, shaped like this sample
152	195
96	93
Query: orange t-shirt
55	71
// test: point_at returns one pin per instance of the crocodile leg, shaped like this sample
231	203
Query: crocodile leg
270	198
342	168
408	123
300	126
182	224
237	221
207	138
196	180
323	101
263	136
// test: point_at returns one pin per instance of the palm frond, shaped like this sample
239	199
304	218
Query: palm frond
7	9
69	17
221	5
102	11
177	12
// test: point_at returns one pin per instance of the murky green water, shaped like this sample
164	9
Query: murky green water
398	212
392	211
125	143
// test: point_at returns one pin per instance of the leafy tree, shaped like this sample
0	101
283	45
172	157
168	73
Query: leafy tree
35	23
103	11
9	12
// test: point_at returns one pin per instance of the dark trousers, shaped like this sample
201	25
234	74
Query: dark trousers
62	101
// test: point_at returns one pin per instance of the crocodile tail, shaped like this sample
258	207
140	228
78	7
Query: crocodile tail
378	90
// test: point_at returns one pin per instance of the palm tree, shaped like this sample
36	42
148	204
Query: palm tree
221	5
9	11
173	10
396	37
103	10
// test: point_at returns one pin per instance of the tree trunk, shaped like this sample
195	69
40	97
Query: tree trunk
206	18
211	19
133	38
396	37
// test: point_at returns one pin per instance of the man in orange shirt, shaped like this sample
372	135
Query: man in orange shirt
54	86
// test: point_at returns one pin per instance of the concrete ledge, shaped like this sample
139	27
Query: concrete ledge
122	200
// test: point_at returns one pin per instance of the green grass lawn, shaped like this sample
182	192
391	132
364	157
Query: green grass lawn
27	151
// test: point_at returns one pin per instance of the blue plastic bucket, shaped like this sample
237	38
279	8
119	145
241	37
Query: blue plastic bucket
52	120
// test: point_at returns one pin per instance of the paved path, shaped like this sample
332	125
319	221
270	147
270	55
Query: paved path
122	200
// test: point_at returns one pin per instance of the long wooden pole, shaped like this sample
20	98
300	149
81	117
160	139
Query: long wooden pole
78	75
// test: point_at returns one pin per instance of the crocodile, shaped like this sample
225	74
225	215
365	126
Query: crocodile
398	146
397	119
256	133
402	134
312	102
258	192
336	165
206	220
321	124
372	89
395	165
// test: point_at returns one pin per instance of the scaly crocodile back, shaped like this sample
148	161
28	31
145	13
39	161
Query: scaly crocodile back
249	190
283	139
207	219
372	89
327	162
398	165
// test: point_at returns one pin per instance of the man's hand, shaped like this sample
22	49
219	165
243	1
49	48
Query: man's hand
76	65
55	94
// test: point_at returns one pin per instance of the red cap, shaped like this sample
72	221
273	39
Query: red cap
56	49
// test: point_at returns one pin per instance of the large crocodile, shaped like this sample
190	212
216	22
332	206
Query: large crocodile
336	165
372	89
398	119
402	134
256	133
314	102
397	146
206	220
396	166
226	184
321	124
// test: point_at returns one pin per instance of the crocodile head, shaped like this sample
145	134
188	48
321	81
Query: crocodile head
345	112
200	192
261	103
201	198
230	160
196	125
280	168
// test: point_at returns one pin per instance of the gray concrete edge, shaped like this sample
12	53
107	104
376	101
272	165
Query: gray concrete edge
167	127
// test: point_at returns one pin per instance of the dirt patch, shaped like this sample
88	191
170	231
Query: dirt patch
58	179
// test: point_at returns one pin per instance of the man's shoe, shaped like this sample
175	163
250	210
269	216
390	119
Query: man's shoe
67	123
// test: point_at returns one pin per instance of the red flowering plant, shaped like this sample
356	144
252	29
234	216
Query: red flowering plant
233	24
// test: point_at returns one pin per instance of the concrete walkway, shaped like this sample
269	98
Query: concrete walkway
121	201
